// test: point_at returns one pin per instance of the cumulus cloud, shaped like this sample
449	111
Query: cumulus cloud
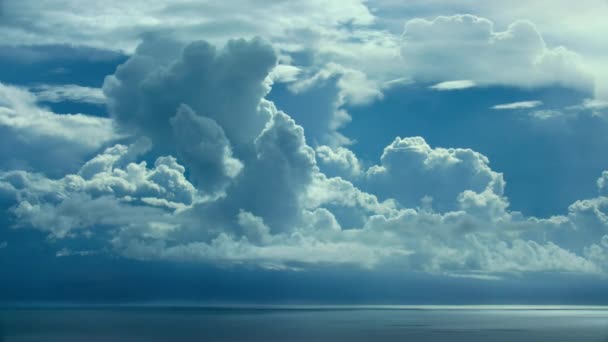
146	91
338	161
203	146
468	47
235	180
195	102
411	170
518	105
110	189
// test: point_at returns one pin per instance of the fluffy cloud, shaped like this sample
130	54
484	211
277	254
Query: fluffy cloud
109	190
226	86
580	32
33	137
411	170
236	181
203	146
196	102
468	47
273	181
338	161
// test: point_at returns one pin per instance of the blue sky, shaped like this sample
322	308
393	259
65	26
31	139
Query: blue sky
316	151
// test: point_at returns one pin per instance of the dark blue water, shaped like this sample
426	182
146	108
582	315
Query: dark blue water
301	324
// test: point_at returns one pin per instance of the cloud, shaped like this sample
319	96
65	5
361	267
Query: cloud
338	161
33	137
65	252
595	104
518	105
42	52
546	114
146	91
3	244
411	170
284	73
279	174
52	22
602	183
119	190
203	146
480	237
468	47
235	181
453	85
68	93
557	25
333	88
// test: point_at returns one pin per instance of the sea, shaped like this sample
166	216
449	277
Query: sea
98	323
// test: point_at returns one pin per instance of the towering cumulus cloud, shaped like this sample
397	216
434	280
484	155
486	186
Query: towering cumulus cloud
211	170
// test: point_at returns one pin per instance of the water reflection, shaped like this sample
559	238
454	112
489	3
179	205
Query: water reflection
263	324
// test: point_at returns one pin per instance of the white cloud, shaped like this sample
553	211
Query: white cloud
117	25
338	161
595	104
454	85
581	32
410	170
518	105
468	47
110	181
68	93
204	111
284	73
33	137
546	114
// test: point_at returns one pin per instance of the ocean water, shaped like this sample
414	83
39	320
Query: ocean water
303	324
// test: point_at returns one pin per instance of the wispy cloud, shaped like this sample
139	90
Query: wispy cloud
546	114
68	93
518	105
595	104
454	85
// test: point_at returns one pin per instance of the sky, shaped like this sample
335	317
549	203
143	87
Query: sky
304	151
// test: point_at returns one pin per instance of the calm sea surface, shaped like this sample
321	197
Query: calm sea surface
303	324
